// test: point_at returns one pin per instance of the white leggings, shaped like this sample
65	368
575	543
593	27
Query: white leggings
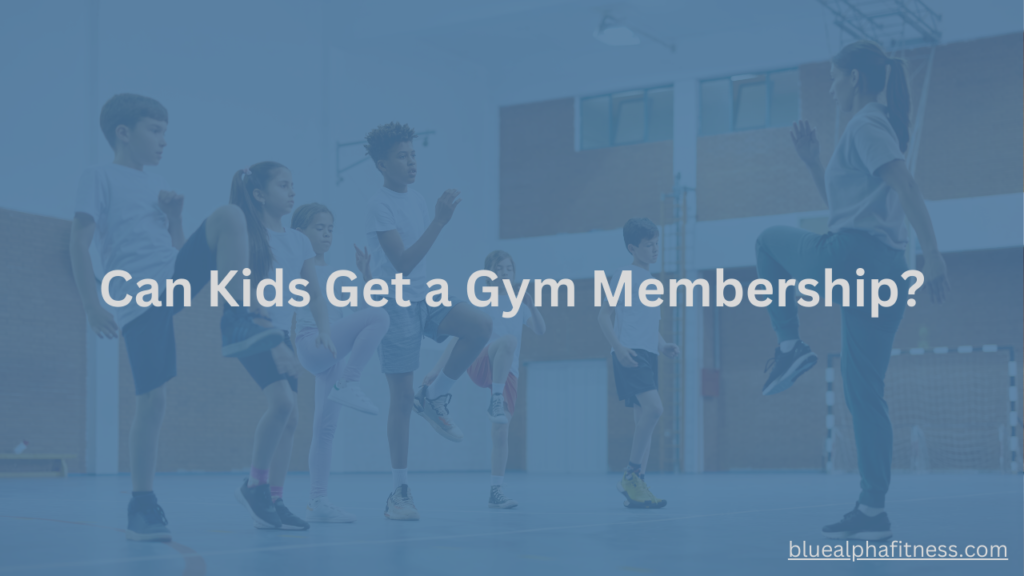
356	335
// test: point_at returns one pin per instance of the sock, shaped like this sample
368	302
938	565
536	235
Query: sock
787	346
257	477
276	492
144	496
400	476
870	511
440	386
497	480
498	388
633	467
642	476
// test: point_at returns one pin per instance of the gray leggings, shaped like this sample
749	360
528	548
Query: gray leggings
785	252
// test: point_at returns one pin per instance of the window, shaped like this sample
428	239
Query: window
749	102
624	118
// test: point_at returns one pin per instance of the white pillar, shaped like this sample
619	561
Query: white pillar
102	421
693	355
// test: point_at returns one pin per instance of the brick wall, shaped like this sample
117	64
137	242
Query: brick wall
42	341
971	143
546	187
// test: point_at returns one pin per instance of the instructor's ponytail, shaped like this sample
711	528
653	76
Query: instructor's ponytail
871	61
897	97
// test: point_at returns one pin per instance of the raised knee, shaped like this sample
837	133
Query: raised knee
482	326
507	343
293	420
283	409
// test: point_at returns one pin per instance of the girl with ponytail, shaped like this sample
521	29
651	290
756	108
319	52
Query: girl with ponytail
264	192
870	194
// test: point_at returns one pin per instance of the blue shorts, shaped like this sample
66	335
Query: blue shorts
149	338
400	349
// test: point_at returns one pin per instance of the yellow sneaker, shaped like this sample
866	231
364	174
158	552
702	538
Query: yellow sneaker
654	501
637	494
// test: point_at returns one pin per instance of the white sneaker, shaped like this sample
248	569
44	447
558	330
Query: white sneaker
351	395
497	411
320	510
400	505
435	412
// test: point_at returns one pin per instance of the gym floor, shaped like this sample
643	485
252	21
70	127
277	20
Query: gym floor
736	523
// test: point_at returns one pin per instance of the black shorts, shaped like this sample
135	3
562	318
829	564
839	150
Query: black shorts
149	338
264	370
632	381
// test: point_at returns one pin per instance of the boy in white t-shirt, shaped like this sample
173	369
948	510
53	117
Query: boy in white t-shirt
136	225
497	366
636	342
401	232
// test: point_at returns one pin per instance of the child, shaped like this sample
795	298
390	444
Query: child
400	235
137	226
636	343
265	193
356	334
497	367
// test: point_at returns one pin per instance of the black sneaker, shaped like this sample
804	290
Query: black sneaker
257	501
498	499
857	525
289	521
146	521
786	367
240	336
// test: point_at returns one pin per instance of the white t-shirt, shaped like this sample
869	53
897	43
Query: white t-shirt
304	316
858	199
406	212
291	249
131	230
636	326
508	326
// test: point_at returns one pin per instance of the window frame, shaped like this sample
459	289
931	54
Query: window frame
769	92
644	97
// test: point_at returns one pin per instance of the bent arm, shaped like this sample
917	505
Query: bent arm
83	227
896	175
818	174
317	302
604	320
405	259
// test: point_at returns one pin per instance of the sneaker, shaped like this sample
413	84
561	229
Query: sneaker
256	499
146	521
497	411
498	499
786	367
857	525
289	521
400	505
320	510
435	412
351	395
649	496
636	492
240	336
